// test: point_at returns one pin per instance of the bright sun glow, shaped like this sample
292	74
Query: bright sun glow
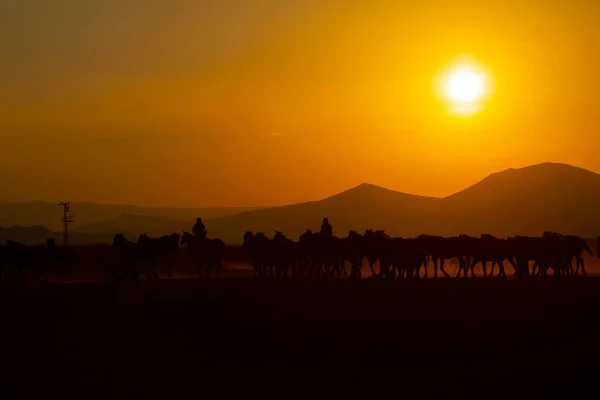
463	86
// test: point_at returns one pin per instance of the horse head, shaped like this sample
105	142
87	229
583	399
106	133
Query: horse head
381	233
119	240
143	238
306	235
354	234
248	237
279	235
186	238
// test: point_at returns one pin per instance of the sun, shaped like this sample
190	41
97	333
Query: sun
463	85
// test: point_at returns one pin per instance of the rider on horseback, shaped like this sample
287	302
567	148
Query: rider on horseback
326	227
199	229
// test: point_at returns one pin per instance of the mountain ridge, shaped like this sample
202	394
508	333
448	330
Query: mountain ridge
528	200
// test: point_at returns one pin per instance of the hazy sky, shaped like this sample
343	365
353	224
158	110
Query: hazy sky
249	102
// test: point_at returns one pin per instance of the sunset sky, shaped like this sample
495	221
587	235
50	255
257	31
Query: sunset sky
251	102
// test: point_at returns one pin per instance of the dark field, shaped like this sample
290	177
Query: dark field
245	338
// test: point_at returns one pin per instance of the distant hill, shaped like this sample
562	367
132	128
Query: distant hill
528	201
524	201
359	208
48	214
36	234
133	225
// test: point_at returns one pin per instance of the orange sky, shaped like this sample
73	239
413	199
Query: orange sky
241	102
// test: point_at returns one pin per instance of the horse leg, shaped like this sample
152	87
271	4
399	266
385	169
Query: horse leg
580	260
352	270
484	264
501	272
374	274
460	268
471	266
536	269
570	268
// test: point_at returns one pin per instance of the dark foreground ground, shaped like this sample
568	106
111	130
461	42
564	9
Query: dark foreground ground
248	339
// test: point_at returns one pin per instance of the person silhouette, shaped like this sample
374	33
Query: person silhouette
326	227
199	229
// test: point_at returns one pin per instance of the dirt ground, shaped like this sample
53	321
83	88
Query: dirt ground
239	337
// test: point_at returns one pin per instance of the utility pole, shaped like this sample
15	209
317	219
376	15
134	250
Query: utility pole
66	220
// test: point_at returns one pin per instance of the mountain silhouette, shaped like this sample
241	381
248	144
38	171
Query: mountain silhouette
525	201
132	225
548	196
359	208
32	235
48	214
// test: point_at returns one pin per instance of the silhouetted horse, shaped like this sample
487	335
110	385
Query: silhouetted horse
205	251
260	249
407	256
126	259
284	255
377	248
486	249
395	258
545	253
324	253
352	249
32	258
441	249
162	248
573	247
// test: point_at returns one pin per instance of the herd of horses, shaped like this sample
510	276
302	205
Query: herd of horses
322	255
317	255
